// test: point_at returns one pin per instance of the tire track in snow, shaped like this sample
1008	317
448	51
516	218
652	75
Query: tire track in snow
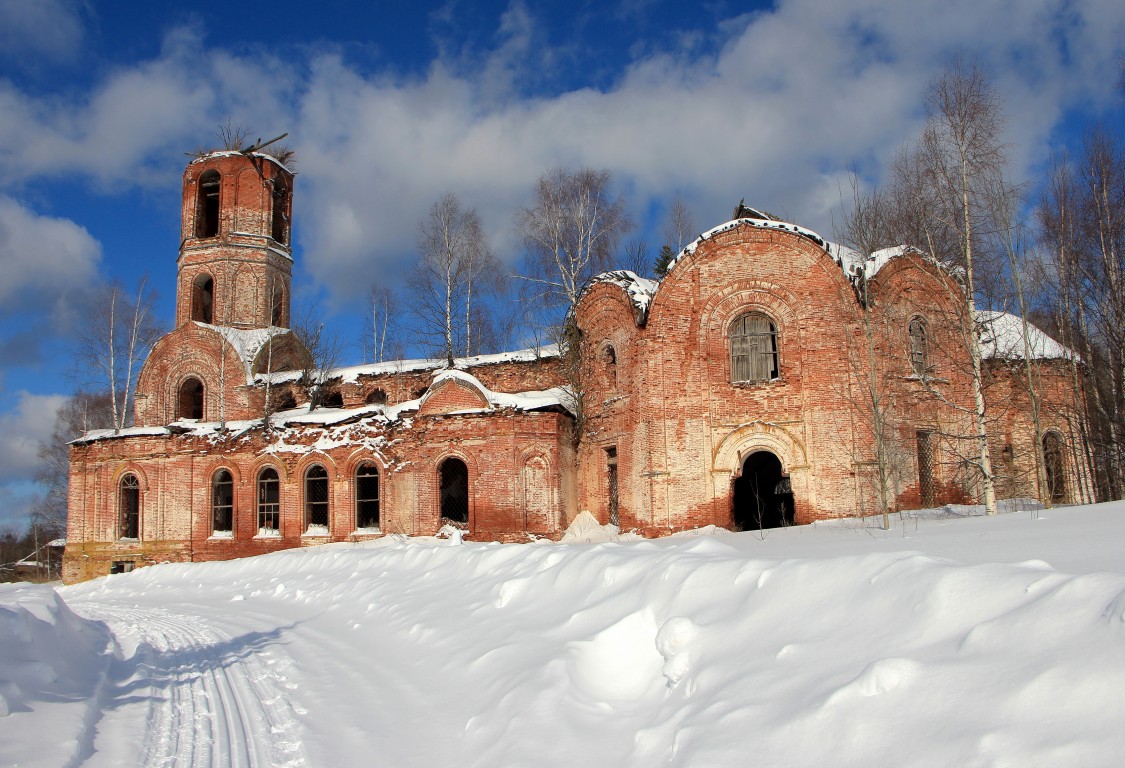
205	698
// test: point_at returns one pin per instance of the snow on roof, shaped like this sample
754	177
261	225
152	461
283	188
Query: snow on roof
639	289
535	400
351	374
1001	337
735	223
104	434
235	152
247	342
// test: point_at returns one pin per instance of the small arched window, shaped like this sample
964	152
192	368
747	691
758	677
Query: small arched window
222	502
377	397
269	498
332	398
316	498
190	404
367	496
207	206
753	348
919	347
129	507
203	298
280	223
455	490
1054	466
609	362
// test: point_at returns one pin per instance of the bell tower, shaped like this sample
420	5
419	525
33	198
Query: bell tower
235	262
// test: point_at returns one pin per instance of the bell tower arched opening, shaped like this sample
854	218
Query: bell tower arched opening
762	495
207	206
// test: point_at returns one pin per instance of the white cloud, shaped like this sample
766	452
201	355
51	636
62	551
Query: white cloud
50	29
44	260
773	108
25	428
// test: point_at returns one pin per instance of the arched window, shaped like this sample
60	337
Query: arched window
129	507
919	347
367	496
202	298
269	497
280	223
222	502
316	497
1054	466
455	490
191	400
332	398
753	348
207	206
377	397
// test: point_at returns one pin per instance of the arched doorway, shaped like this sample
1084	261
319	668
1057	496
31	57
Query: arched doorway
762	495
455	490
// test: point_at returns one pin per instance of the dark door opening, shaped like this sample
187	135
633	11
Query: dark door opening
762	495
455	491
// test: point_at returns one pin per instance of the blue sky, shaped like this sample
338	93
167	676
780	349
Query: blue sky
390	104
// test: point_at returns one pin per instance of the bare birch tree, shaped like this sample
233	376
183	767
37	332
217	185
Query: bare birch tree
571	232
384	312
114	343
452	260
944	208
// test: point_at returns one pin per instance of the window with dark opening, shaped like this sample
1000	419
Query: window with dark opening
269	497
129	507
377	397
203	299
191	399
1053	465
367	496
455	491
280	228
207	208
919	352
753	349
122	566
925	442
332	399
316	497
222	502
611	485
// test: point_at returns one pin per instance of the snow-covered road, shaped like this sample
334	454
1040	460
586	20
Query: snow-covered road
206	697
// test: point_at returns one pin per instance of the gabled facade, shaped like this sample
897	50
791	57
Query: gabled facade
737	392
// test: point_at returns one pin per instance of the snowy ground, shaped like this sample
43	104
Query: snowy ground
944	642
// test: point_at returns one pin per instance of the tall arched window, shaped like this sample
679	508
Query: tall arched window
367	496
280	223
207	206
191	400
269	497
222	502
1054	466
202	298
129	507
455	490
919	346
316	497
277	310
753	348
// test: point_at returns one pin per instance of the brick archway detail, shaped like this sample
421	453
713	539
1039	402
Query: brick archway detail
732	450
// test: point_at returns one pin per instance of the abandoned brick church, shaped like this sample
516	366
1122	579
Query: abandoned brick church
735	392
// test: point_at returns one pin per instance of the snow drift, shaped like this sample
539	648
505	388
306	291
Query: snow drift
692	651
